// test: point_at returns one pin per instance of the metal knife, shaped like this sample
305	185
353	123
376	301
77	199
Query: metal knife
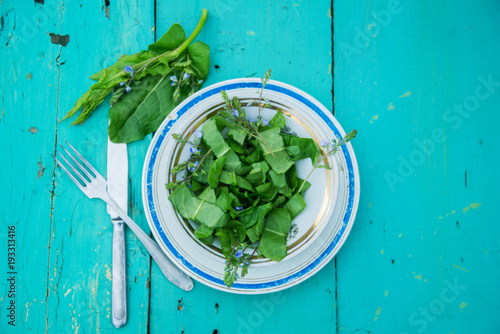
118	190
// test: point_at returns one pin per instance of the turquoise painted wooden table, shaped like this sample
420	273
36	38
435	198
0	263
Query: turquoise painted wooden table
420	80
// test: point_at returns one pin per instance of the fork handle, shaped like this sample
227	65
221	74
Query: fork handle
167	267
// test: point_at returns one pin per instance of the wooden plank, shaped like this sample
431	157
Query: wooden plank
245	40
65	259
422	253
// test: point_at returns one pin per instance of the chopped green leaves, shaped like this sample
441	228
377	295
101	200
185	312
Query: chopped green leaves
247	191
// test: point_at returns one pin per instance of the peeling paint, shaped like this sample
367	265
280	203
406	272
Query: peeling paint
62	40
418	277
108	272
250	32
464	304
374	118
471	206
391	106
455	266
407	94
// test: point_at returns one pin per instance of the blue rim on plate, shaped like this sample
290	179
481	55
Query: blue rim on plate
350	159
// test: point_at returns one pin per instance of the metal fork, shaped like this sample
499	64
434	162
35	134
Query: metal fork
95	186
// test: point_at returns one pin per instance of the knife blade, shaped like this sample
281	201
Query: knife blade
117	175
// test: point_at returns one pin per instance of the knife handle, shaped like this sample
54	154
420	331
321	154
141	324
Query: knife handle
119	284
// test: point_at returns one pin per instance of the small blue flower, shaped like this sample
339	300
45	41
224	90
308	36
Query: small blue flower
198	134
186	75
196	163
236	113
323	143
129	69
200	82
238	208
122	83
247	262
128	89
173	78
238	254
264	122
252	120
227	269
189	185
192	150
249	104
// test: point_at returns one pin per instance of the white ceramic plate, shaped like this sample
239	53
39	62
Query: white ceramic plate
320	229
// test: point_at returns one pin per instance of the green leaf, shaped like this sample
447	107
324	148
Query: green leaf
214	139
237	228
123	61
305	186
172	39
215	170
203	231
208	195
232	179
200	57
295	205
256	217
307	148
280	162
142	110
279	182
238	135
190	207
278	121
273	241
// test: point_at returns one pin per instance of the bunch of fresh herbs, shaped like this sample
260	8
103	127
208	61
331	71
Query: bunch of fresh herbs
242	187
148	85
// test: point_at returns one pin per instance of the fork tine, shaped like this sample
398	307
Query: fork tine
82	179
69	174
84	160
77	163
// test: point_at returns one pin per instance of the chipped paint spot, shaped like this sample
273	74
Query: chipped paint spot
296	5
329	69
418	277
29	76
425	280
40	169
374	118
391	106
464	304
33	130
330	13
375	319
69	290
386	293
370	26
108	272
453	212
407	94
382	252
472	206
400	235
62	40
369	204
250	32
455	266
409	255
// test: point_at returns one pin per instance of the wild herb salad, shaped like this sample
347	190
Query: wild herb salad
240	182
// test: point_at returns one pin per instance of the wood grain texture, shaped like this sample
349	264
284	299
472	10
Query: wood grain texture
427	215
64	239
420	81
